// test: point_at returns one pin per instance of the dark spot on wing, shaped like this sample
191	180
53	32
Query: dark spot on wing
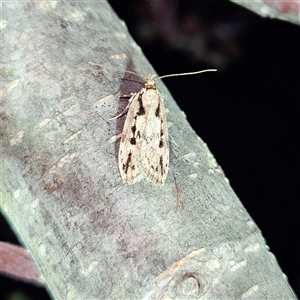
127	164
133	129
161	141
157	112
161	165
141	110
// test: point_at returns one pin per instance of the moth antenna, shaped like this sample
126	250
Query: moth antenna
189	73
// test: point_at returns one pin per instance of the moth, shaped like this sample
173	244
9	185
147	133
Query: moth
144	145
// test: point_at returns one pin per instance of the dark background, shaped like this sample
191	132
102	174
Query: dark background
248	112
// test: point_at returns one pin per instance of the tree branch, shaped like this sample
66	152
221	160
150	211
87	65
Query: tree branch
91	236
279	9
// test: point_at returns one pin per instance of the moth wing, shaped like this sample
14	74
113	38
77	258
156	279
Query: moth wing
130	144
155	145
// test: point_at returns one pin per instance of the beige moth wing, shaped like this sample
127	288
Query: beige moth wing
131	139
155	144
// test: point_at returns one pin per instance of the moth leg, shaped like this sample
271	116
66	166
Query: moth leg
131	95
128	95
115	138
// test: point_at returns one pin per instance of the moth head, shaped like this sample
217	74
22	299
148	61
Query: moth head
150	83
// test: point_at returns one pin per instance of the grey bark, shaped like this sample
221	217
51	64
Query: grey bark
283	10
91	236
